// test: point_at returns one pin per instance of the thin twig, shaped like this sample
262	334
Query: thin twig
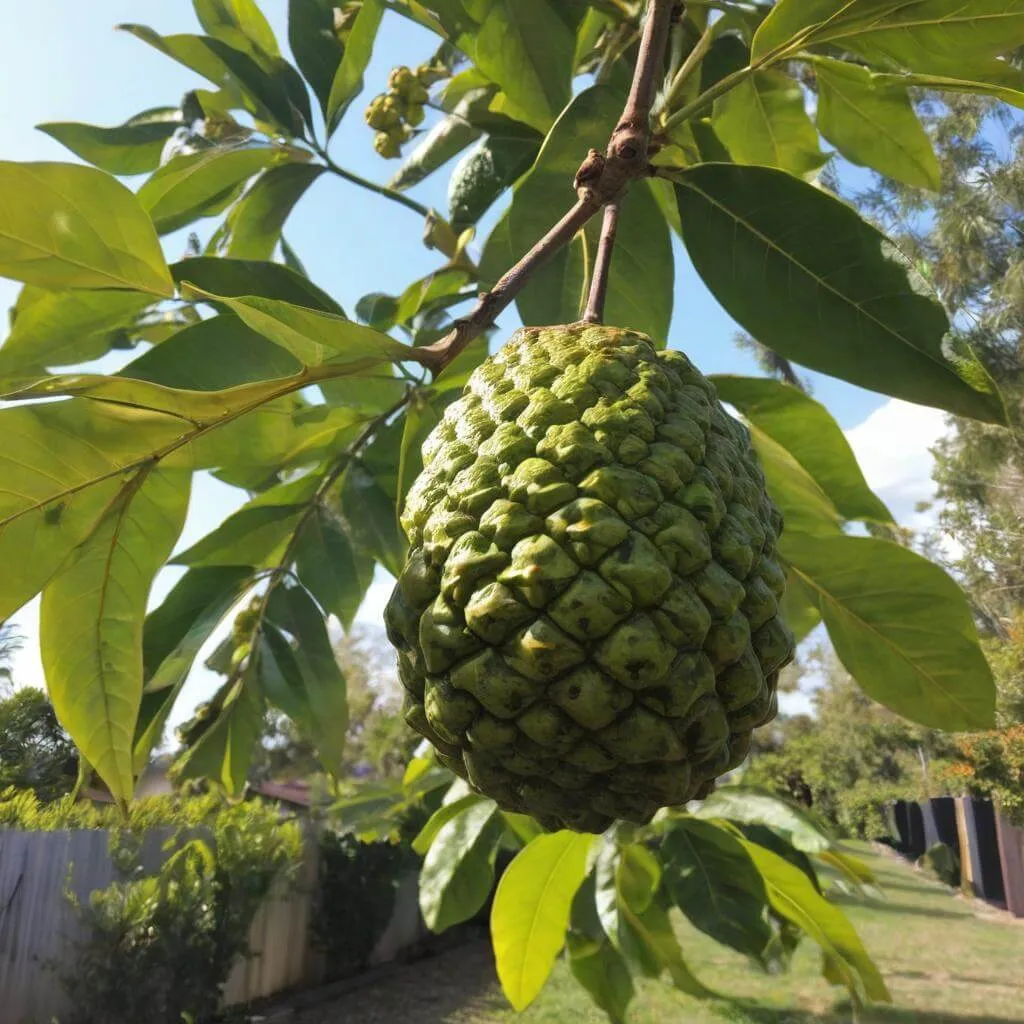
599	286
601	180
692	62
372	186
437	356
283	568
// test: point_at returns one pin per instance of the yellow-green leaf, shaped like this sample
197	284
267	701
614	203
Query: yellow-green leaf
900	625
92	618
195	184
531	911
68	226
763	120
871	121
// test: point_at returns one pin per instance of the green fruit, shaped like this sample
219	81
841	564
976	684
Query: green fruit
403	82
429	74
587	623
388	145
383	113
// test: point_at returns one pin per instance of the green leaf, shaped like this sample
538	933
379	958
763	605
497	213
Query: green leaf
194	185
806	429
799	608
61	466
713	881
763	120
348	80
806	276
303	679
270	95
224	752
329	566
273	86
371	515
253	536
804	505
131	148
527	49
237	278
625	884
872	122
76	227
193	52
445	140
67	327
426	836
172	637
757	807
641	277
458	871
315	44
795	898
483	174
1002	82
92	616
238	22
653	931
312	336
257	219
531	912
901	627
772	840
214	354
602	971
931	36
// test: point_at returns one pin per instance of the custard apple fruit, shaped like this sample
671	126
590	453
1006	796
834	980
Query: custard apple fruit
588	620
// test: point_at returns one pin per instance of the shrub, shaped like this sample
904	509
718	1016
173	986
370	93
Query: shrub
358	881
991	765
161	946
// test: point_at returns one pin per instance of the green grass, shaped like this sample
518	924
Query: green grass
946	960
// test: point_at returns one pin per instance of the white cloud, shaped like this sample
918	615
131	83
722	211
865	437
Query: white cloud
892	446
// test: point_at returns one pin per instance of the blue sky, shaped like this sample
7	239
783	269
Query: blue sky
63	61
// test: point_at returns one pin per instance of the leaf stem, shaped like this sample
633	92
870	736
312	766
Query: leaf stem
341	463
601	179
692	62
599	286
372	186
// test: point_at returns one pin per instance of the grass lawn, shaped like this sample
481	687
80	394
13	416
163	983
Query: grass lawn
946	960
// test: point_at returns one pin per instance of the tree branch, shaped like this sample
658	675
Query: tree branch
599	286
601	180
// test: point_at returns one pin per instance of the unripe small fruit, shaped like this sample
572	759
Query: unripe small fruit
383	113
428	74
388	145
414	115
403	82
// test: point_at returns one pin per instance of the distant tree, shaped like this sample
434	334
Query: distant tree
851	755
35	751
9	644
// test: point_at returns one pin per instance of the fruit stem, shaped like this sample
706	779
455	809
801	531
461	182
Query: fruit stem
600	181
599	286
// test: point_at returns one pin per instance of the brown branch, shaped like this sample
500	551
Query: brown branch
599	286
601	180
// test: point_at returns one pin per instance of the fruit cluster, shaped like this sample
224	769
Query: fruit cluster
396	114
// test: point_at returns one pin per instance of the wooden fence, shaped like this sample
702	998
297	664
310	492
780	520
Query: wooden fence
40	930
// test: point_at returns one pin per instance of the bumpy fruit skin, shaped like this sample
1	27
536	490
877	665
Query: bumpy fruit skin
587	623
388	145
